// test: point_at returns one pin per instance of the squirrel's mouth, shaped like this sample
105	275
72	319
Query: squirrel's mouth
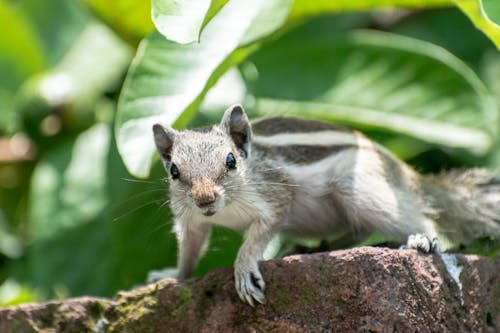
209	212
210	208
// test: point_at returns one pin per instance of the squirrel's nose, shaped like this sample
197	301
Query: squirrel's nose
204	194
206	201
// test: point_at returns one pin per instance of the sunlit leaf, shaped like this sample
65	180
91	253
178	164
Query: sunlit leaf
230	89
183	21
379	81
485	14
167	81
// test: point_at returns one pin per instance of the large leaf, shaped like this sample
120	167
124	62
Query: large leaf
167	80
485	14
376	80
184	21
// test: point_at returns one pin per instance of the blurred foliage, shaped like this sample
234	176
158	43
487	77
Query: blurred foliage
419	78
485	15
483	246
130	19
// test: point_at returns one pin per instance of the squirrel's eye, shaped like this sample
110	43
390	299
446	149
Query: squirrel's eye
230	161
174	172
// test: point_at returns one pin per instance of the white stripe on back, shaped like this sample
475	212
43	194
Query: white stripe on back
321	138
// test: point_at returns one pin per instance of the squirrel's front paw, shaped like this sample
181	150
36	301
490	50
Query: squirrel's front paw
249	283
423	243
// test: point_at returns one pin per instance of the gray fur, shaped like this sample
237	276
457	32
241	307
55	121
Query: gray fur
467	204
301	154
235	123
307	178
268	126
164	138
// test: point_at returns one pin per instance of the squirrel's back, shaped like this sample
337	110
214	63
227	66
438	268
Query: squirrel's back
301	141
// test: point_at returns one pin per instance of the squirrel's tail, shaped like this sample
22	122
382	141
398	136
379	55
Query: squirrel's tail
465	204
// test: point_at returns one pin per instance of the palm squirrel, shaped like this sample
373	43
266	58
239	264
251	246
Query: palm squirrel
308	178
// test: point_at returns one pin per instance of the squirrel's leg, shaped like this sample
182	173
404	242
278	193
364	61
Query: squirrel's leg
192	238
389	208
249	282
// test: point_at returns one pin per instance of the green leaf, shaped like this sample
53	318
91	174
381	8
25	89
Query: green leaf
8	119
101	57
72	187
56	23
84	221
167	81
95	62
378	81
183	22
307	8
492	10
10	245
223	247
485	14
20	49
12	293
440	27
131	19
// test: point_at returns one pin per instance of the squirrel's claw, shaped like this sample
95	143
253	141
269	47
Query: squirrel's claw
250	285
423	243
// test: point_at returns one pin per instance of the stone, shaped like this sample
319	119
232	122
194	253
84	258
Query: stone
358	290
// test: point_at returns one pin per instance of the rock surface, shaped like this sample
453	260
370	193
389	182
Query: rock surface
358	290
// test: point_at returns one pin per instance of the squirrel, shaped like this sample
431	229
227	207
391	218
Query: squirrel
309	178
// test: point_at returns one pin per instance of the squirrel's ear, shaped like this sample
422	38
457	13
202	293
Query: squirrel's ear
235	123
164	139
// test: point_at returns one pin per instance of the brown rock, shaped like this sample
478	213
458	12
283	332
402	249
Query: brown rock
358	290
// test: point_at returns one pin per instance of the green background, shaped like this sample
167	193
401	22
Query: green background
83	201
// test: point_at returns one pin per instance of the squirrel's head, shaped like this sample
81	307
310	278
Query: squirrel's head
207	168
